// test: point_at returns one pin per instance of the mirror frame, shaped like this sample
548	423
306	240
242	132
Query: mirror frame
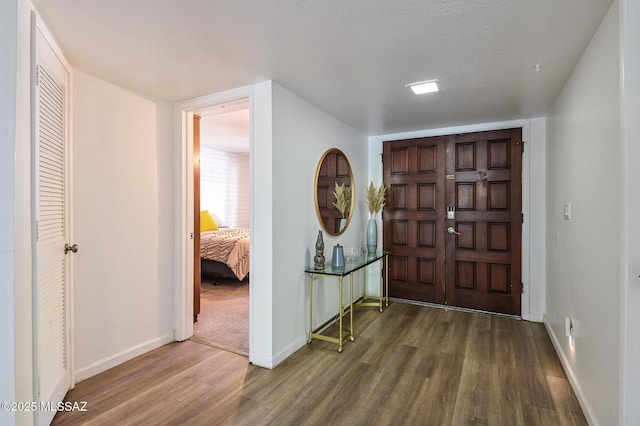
337	178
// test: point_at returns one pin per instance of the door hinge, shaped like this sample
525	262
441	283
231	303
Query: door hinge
522	217
521	143
382	158
522	288
191	236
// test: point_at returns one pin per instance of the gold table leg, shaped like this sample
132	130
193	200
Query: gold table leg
340	319
342	332
352	337
310	309
383	296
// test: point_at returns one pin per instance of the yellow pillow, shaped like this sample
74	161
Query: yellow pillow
206	222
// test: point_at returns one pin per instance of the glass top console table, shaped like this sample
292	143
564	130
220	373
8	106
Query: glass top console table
340	273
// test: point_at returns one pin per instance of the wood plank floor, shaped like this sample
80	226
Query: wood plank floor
409	365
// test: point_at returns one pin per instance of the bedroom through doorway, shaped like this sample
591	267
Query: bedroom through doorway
222	212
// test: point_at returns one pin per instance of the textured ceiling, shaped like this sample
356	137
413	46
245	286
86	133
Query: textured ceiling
350	58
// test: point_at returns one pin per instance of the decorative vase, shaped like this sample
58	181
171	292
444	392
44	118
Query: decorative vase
372	236
337	260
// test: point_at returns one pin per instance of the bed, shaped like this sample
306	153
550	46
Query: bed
225	251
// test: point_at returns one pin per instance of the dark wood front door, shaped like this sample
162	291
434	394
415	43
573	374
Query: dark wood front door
413	218
472	260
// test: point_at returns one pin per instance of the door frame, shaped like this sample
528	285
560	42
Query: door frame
533	199
185	112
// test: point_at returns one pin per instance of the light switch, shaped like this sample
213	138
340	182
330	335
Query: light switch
567	211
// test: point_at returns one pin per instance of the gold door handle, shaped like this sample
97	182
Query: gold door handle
451	230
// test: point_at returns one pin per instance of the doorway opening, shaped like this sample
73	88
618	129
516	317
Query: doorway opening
222	212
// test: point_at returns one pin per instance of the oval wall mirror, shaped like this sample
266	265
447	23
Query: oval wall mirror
334	177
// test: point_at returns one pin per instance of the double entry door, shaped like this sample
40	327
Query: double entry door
453	219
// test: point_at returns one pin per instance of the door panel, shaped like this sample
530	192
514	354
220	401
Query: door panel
413	218
484	186
51	220
478	174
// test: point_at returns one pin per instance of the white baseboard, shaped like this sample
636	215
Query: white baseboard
261	360
573	380
272	362
533	317
117	359
290	350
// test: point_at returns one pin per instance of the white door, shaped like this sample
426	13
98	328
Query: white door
52	372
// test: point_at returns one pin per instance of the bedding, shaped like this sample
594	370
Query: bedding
229	246
207	223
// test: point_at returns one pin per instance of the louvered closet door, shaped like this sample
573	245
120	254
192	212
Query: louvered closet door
51	202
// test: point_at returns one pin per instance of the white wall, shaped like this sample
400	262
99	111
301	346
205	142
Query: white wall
533	201
225	186
124	224
583	254
261	305
301	134
8	98
630	153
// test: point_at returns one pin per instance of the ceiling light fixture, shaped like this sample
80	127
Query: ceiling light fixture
421	87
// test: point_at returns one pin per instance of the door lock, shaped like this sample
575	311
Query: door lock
451	212
68	248
451	230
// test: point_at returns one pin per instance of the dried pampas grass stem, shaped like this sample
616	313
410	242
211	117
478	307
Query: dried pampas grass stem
375	198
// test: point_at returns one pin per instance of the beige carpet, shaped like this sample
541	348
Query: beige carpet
224	315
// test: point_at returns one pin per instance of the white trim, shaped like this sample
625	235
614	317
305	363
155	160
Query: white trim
289	350
184	224
575	384
184	269
528	245
123	356
625	282
535	318
42	27
71	358
629	373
